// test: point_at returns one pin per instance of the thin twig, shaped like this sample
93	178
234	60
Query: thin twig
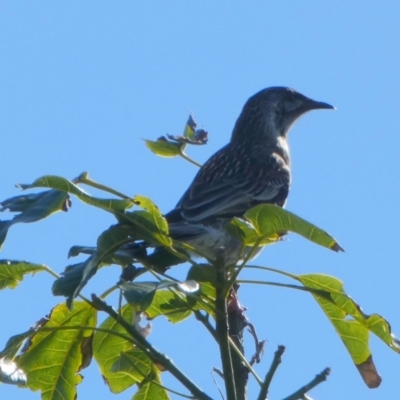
260	345
300	394
205	321
84	178
270	374
236	272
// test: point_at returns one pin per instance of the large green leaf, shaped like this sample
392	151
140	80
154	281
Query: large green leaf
54	358
352	325
269	219
13	272
107	349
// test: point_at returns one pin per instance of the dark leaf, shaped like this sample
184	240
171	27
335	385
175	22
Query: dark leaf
33	208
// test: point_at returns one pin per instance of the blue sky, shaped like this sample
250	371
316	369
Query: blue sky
83	82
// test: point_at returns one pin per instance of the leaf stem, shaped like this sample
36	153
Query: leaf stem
84	178
187	158
278	271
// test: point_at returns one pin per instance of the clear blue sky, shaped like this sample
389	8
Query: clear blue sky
81	83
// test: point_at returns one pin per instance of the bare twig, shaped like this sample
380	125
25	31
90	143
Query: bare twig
270	374
301	393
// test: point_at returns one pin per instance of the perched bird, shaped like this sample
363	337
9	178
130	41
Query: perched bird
253	168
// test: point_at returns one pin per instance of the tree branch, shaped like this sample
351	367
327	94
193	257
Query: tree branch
270	374
222	327
300	394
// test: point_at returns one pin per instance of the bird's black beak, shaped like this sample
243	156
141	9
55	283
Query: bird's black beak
317	105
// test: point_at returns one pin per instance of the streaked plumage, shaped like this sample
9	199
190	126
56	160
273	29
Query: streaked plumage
253	168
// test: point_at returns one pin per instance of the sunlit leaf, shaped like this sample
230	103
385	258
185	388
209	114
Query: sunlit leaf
157	219
151	391
54	358
269	219
164	148
135	363
350	322
107	349
13	272
249	235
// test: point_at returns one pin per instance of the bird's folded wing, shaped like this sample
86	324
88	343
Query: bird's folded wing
229	196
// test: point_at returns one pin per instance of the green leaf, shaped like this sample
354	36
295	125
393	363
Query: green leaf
135	363
146	227
205	276
156	218
64	185
12	272
170	305
10	373
190	128
269	219
249	235
352	325
33	208
107	349
164	148
54	358
140	295
151	391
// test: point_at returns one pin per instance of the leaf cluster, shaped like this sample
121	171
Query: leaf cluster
51	355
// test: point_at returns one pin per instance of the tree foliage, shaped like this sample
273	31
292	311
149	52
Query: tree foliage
51	355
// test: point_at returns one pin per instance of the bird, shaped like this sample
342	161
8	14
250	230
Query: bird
252	169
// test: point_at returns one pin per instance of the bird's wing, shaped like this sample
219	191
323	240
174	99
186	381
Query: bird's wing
228	189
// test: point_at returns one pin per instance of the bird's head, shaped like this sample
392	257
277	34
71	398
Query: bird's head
272	111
